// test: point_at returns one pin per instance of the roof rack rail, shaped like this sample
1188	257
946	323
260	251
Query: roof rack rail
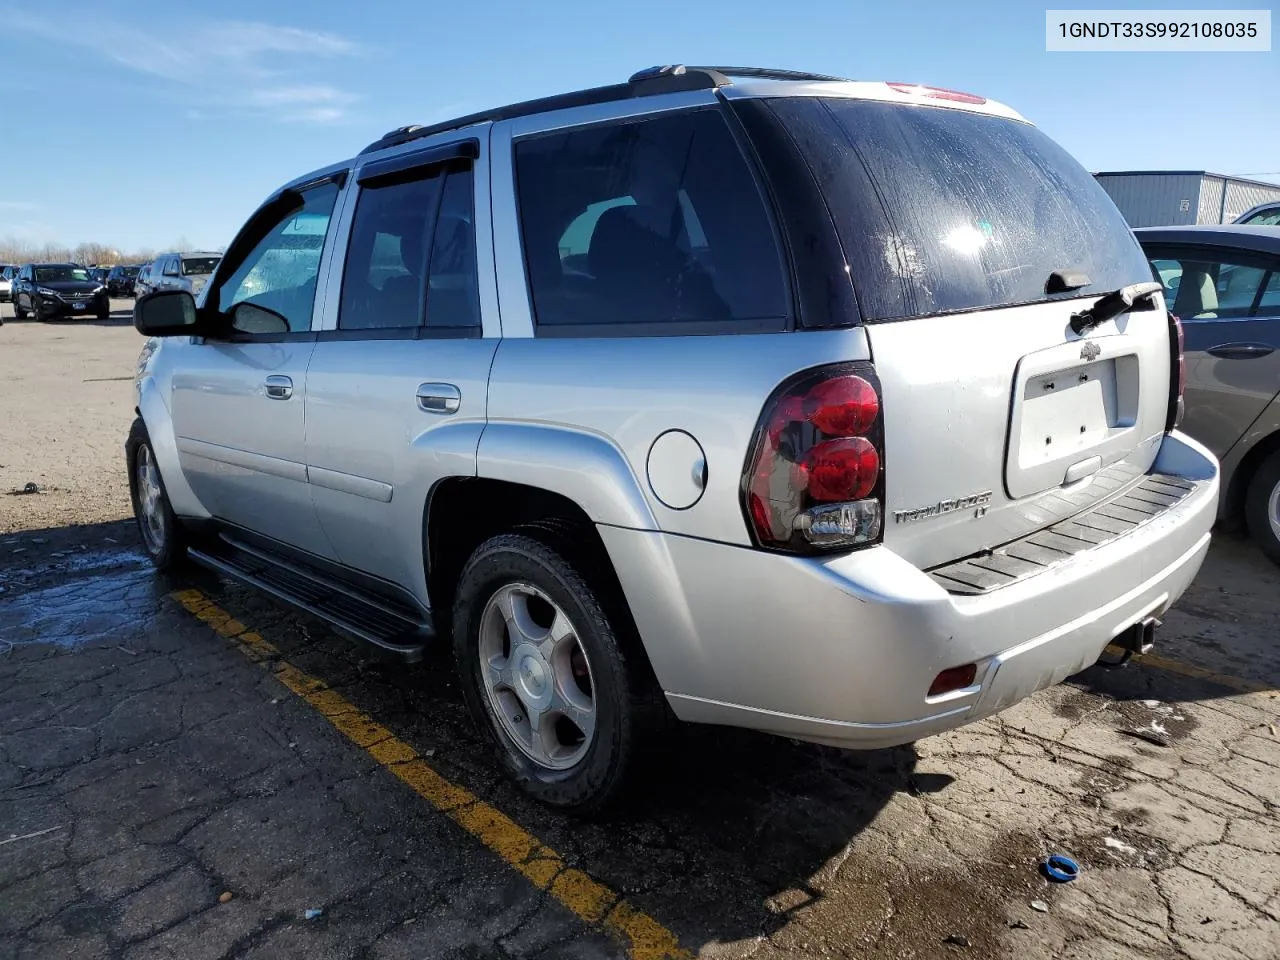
723	76
671	78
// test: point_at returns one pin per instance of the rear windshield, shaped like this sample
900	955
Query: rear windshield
198	266
942	210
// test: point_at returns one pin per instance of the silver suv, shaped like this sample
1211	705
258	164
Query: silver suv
183	271
839	410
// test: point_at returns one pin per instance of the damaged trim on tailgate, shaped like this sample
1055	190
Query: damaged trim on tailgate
1058	542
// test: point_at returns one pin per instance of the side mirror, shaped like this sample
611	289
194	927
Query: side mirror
167	313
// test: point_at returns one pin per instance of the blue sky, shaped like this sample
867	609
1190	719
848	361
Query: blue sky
138	122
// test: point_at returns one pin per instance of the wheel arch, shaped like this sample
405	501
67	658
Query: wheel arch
1258	454
155	415
463	512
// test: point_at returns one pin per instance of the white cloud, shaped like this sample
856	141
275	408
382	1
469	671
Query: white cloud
230	65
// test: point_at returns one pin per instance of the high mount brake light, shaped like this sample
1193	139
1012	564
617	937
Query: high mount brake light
814	478
936	93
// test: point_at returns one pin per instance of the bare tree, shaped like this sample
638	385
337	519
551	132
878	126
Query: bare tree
18	251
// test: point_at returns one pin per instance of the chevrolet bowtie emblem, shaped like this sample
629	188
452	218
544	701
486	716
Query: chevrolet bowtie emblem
1090	350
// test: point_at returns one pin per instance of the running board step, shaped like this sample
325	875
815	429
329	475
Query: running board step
384	625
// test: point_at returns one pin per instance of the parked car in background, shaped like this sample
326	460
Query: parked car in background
7	274
582	403
47	291
121	279
183	271
1223	283
142	282
99	274
1263	215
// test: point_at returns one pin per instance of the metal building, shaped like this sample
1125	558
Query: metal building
1162	198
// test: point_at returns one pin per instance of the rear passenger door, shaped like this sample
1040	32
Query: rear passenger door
396	393
1229	304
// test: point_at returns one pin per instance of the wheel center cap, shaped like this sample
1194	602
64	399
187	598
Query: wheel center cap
532	674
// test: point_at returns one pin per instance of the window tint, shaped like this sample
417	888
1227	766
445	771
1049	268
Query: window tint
387	255
651	221
279	274
1270	303
1204	284
453	297
942	210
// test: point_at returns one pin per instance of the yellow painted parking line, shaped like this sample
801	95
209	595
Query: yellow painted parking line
1200	673
593	902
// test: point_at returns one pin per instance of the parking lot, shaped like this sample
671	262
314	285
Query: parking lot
189	769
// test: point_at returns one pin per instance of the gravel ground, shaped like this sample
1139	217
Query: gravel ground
67	392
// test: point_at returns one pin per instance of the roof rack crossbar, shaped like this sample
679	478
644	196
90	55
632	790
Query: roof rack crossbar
670	78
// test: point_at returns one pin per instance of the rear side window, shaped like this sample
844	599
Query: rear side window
411	260
654	223
942	210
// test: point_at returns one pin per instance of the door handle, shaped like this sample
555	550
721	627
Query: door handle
279	388
1241	351
439	397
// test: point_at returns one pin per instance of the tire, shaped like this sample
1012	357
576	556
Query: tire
18	312
163	537
37	314
583	774
1262	507
104	313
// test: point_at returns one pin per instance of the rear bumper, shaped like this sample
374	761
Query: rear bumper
843	651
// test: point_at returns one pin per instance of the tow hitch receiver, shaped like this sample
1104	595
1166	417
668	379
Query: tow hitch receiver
1139	638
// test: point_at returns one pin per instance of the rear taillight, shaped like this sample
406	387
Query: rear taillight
936	93
814	479
1177	372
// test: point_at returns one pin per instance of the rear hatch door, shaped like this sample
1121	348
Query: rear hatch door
972	239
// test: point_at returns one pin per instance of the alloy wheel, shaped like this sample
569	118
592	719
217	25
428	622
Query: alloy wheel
536	676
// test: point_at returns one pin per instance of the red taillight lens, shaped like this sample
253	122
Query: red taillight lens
843	406
814	476
937	93
844	469
956	678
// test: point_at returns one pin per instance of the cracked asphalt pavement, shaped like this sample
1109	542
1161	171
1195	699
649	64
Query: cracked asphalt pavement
176	781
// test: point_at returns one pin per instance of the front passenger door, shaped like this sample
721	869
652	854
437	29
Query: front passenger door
238	400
